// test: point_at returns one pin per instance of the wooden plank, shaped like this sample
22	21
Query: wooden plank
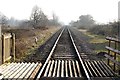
100	70
62	69
4	66
109	44
66	68
36	69
88	69
115	57
51	52
14	74
113	50
26	71
7	36
0	47
112	59
14	70
8	58
75	73
55	68
71	75
22	71
112	39
90	66
3	48
58	69
13	46
7	74
95	68
78	69
51	69
47	69
65	57
30	72
79	56
8	68
107	68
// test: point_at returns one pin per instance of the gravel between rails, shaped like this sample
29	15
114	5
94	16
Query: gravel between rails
64	47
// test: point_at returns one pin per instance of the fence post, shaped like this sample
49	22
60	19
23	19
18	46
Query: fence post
0	47
3	48
13	46
109	52
115	57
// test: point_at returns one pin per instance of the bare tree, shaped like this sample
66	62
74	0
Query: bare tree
38	18
54	21
3	20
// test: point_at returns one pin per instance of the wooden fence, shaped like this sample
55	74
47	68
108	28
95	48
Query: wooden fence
8	47
113	56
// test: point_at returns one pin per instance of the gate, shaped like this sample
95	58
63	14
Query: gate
8	47
113	55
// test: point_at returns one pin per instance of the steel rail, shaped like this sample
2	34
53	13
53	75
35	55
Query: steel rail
86	73
51	52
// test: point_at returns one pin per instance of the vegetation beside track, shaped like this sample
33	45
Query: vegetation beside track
98	42
25	40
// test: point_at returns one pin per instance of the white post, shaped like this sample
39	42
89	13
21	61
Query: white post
119	19
0	30
0	47
119	10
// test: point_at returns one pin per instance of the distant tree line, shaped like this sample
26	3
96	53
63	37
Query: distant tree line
3	20
38	19
87	22
110	29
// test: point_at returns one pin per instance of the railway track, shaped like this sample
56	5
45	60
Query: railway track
64	59
63	62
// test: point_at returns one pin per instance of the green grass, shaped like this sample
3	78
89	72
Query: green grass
95	38
99	47
98	42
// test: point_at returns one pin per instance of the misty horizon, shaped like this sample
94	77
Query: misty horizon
66	11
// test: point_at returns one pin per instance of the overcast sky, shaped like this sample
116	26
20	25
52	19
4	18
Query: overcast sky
102	10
